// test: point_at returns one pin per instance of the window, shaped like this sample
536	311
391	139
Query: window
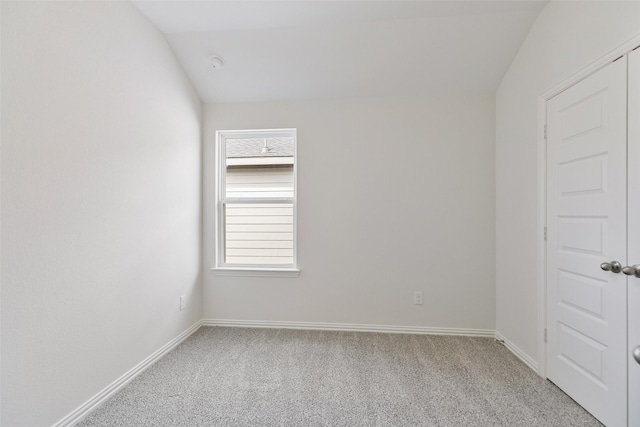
257	201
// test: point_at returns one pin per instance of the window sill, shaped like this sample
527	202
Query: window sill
255	272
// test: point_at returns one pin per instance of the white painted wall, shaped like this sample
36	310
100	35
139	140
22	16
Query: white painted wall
394	195
566	37
100	202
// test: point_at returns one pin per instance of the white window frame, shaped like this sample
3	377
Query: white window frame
273	270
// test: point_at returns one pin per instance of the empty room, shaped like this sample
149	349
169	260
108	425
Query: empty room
319	213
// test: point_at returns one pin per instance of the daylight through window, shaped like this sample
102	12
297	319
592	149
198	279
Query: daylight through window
257	198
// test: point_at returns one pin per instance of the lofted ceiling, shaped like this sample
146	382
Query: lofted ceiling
282	50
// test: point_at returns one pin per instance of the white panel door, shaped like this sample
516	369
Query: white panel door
587	226
634	232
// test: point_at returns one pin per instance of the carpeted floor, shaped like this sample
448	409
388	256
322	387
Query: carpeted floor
279	377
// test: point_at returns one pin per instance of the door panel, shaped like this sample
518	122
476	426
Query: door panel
634	232
586	220
581	293
582	234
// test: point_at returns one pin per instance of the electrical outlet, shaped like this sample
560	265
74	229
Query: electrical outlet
418	298
183	302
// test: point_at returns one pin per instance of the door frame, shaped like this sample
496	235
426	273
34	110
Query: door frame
541	264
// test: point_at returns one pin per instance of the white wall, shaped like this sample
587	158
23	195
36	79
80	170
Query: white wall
566	37
395	195
100	202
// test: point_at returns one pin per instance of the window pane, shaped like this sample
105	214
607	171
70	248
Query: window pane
259	233
256	210
259	167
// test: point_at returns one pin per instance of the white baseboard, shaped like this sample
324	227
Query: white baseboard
84	409
350	327
528	360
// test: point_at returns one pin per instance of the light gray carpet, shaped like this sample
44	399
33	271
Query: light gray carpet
279	377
